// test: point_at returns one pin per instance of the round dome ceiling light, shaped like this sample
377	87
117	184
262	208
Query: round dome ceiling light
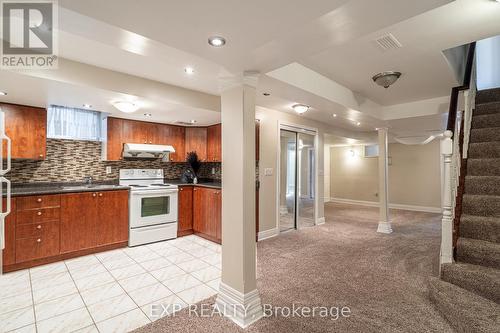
386	79
217	41
300	108
126	107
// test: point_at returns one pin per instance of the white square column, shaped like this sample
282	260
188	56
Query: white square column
384	224
238	297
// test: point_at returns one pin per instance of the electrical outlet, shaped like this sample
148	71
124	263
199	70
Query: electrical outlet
268	171
213	171
376	194
108	170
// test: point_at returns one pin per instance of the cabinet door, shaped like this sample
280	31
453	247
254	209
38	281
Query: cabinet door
214	138
27	128
199	210
196	140
9	253
115	139
173	136
45	242
185	215
135	132
218	215
78	221
112	221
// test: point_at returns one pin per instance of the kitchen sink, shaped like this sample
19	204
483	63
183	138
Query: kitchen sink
89	187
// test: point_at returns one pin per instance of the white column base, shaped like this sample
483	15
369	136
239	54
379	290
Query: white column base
243	309
384	227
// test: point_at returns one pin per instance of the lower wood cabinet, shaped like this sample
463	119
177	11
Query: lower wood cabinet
207	204
93	219
49	228
185	211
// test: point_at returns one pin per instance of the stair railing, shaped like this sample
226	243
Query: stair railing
454	147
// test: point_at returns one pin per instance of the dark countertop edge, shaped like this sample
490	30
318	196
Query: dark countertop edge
24	192
216	186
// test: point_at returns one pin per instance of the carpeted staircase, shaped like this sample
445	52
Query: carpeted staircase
468	293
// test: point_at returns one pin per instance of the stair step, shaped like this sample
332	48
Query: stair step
487	108
465	311
485	121
485	134
484	228
484	281
483	166
478	252
481	205
488	96
486	185
484	150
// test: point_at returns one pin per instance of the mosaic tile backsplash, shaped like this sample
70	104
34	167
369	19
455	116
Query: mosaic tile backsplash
71	161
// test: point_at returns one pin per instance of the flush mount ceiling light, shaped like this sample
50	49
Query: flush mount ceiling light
3	93
189	70
300	108
87	106
217	41
386	79
126	107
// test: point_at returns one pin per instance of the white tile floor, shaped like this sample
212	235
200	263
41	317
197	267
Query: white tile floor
112	291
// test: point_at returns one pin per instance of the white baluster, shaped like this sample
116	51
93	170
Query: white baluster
447	220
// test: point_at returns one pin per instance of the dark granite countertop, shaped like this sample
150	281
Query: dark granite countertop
202	183
27	189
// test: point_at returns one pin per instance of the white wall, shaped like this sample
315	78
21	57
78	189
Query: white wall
488	63
326	190
414	175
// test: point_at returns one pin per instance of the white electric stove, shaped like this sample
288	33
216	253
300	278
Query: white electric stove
152	206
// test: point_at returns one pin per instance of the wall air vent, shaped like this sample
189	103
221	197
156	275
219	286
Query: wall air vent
388	42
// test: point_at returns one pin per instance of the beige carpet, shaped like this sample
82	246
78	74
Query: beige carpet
381	278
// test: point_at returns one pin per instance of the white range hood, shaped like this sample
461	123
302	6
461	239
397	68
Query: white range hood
136	150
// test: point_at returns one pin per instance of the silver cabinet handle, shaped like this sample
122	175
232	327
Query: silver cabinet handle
38	240
39	213
39	227
39	200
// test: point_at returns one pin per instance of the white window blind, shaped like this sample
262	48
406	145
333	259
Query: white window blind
73	124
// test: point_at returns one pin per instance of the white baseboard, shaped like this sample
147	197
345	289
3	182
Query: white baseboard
268	234
393	206
321	220
243	309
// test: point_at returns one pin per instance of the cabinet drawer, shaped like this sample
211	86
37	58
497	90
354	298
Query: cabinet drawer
41	215
37	230
46	245
41	201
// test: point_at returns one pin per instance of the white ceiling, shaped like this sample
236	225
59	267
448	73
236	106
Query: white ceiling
157	39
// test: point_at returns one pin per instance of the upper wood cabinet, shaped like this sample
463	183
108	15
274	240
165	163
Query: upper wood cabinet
121	131
196	140
214	143
26	126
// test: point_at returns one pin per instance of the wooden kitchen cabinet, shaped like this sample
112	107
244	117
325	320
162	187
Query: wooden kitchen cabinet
78	221
196	140
112	215
9	253
214	143
185	211
26	126
93	219
114	143
175	137
207	213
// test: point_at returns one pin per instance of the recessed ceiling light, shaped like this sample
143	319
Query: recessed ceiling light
300	108
266	94
216	41
3	93
189	70
334	115
148	115
358	124
192	121
87	106
127	107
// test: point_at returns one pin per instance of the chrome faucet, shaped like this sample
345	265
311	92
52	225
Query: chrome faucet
88	180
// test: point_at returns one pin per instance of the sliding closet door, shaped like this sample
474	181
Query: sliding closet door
306	189
288	179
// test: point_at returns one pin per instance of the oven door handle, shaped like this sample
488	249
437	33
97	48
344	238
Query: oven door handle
153	193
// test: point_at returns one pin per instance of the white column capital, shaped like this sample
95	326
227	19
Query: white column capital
248	78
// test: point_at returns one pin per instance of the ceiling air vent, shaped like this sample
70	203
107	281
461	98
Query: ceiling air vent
388	42
183	123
